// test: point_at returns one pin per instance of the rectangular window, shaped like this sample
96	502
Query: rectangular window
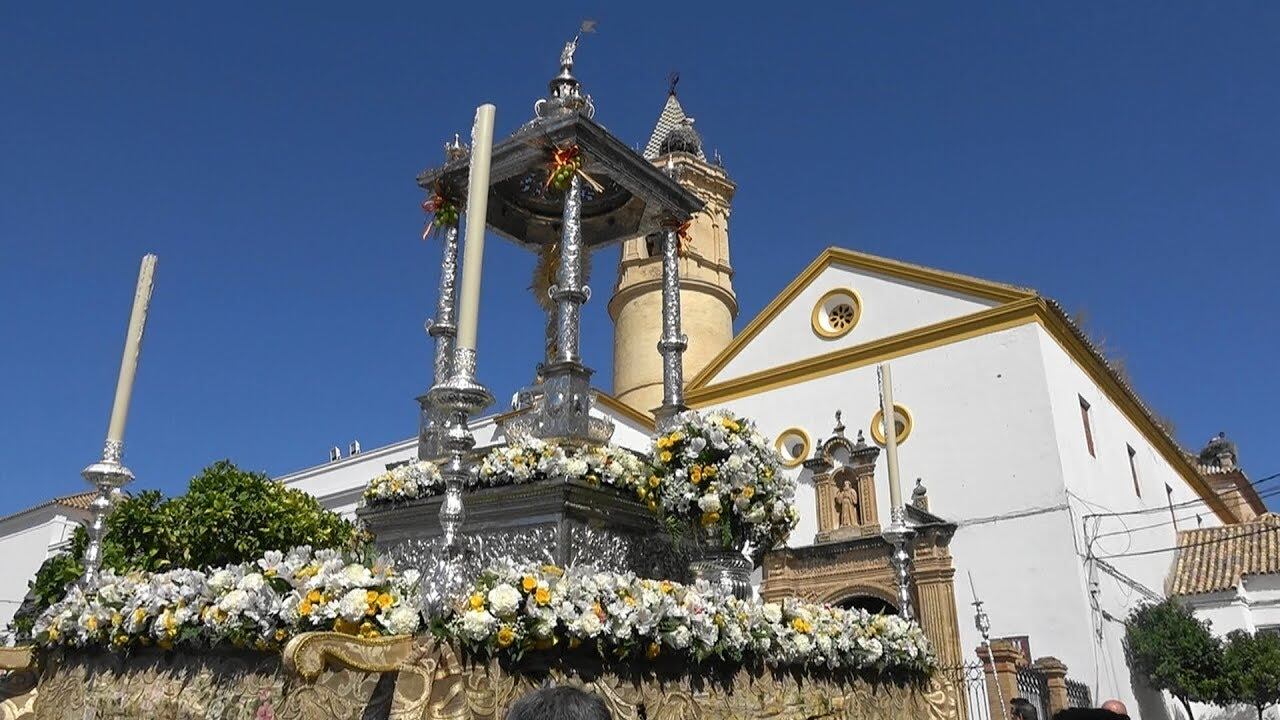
1088	430
1133	469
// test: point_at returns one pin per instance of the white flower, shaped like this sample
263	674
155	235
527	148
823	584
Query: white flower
401	620
504	600
353	605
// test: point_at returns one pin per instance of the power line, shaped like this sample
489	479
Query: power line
1181	505
1262	496
1188	546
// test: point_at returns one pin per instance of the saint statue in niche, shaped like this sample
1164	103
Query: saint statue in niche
847	505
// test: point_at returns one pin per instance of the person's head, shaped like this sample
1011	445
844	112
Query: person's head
848	485
559	703
1022	709
1116	707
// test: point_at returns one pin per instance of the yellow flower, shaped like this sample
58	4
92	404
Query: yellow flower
506	636
654	481
345	627
315	596
529	582
665	456
695	474
666	587
281	635
709	519
91	623
384	601
677	436
542	596
653	650
748	491
652	505
305	607
801	625
368	630
552	570
371	596
709	470
477	601
641	492
120	640
664	442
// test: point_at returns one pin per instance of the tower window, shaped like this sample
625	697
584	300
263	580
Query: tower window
1088	428
1133	469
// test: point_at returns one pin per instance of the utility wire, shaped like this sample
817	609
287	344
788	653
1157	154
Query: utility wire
1181	505
1188	546
1263	496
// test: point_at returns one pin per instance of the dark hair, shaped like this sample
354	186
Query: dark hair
561	702
1023	709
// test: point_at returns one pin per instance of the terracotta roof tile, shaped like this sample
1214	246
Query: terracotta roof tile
1217	559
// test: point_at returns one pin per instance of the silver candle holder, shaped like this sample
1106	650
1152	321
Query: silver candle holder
108	476
673	342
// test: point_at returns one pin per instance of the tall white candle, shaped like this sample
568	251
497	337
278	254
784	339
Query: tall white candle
477	207
132	347
890	438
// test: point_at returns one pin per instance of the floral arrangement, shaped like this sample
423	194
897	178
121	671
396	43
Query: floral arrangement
532	460
416	479
514	611
258	605
719	474
441	211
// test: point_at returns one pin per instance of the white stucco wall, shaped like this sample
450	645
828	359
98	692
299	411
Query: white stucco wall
889	306
986	449
26	540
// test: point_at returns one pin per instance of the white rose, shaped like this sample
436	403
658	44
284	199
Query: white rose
353	605
504	600
588	624
477	624
772	613
253	582
401	620
709	503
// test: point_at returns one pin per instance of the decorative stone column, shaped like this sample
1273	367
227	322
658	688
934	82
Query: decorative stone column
936	602
1000	666
1055	674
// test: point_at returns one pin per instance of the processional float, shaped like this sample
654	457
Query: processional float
562	186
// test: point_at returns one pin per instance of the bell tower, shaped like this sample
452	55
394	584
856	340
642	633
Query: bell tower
707	301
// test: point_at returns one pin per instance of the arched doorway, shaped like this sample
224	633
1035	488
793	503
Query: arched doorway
871	603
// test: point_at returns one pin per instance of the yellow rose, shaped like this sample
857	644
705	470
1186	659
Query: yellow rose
305	607
665	456
477	601
506	636
315	596
801	625
748	491
542	596
529	583
654	481
384	601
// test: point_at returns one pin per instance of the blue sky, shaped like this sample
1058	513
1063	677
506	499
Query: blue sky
1120	157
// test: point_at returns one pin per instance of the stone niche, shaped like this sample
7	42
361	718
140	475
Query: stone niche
335	677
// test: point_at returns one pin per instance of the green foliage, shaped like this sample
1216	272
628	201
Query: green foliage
1251	670
1174	651
228	516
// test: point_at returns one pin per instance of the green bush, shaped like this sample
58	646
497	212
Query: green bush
228	516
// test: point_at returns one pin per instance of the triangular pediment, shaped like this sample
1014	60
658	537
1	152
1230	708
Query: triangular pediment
845	299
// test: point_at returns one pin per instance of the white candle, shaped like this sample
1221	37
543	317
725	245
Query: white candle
890	436
132	347
477	207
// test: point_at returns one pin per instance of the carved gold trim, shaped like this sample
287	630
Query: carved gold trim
799	459
306	654
878	424
815	320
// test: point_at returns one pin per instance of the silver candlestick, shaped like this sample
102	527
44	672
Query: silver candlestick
900	536
459	397
107	476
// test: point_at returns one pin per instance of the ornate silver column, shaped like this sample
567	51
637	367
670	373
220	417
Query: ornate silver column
443	329
107	476
569	292
900	537
673	342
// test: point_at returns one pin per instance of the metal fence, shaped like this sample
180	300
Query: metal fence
1033	686
970	685
1078	695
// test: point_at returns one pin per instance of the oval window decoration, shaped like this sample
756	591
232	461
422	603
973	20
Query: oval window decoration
836	313
793	445
903	424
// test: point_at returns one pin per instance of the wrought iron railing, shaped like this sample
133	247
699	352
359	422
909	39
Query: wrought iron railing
1078	695
1033	686
970	685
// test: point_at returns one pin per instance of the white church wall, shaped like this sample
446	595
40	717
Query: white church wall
986	450
889	306
26	540
1125	535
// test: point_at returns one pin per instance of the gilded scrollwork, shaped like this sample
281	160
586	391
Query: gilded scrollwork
326	675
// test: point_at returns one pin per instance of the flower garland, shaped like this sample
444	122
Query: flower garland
410	481
718	473
258	605
443	212
513	611
532	460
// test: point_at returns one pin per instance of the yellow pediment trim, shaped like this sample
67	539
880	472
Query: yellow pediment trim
640	417
1011	314
919	274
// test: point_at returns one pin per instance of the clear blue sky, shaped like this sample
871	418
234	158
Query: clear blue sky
1123	158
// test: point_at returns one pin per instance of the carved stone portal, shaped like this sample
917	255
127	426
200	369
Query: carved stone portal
844	481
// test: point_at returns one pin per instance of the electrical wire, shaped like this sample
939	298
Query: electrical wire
1184	504
1187	518
1188	546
